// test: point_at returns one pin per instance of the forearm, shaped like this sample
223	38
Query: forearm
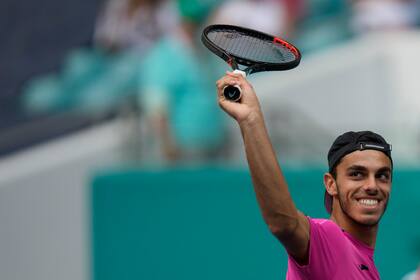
270	187
289	225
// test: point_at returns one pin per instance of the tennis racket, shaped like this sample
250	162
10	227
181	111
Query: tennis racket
254	50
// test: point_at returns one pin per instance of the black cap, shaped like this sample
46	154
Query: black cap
352	141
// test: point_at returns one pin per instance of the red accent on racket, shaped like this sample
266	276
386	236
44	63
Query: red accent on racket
255	50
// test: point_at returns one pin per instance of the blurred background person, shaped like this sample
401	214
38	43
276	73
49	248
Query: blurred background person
277	17
414	275
138	24
103	77
177	92
383	15
310	24
323	23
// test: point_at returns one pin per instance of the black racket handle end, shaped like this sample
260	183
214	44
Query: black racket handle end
232	93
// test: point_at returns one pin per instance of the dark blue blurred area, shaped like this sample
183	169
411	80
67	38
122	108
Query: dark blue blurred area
36	36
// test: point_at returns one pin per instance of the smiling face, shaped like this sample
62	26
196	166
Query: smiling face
361	187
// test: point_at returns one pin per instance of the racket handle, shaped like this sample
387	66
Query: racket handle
232	93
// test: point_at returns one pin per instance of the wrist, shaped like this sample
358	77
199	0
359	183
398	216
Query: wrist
252	120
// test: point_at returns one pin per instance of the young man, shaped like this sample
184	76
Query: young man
358	186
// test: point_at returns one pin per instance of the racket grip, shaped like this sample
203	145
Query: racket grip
232	93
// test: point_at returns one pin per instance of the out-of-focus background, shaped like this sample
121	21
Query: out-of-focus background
116	162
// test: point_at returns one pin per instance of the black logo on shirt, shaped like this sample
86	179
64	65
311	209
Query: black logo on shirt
363	267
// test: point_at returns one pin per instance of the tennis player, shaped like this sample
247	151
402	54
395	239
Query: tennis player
357	185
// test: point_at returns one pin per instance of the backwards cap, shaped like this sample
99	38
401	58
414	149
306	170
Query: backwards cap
349	142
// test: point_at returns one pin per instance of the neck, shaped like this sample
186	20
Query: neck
364	233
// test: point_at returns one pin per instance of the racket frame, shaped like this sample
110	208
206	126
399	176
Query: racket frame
252	66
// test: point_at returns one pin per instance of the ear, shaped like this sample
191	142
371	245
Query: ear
330	184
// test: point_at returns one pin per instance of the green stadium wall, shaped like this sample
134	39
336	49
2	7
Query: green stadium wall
204	223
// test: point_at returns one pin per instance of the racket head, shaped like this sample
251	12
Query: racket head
256	50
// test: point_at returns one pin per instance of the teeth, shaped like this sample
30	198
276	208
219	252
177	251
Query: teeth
368	201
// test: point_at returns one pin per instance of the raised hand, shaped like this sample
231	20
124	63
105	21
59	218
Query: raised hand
248	107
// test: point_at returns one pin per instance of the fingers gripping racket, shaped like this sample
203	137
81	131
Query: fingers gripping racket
255	50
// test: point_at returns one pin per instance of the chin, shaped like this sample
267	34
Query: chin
363	217
366	217
368	221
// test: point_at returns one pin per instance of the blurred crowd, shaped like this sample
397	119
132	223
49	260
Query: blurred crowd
148	53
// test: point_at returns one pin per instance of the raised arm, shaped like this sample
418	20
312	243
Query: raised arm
288	224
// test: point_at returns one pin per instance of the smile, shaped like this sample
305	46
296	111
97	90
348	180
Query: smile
368	202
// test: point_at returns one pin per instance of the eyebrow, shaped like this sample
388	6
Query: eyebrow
357	168
362	168
384	169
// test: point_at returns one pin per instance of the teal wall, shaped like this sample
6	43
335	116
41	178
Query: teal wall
204	223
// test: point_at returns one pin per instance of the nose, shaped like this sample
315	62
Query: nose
371	186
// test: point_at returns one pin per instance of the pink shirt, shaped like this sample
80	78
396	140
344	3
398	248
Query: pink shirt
333	254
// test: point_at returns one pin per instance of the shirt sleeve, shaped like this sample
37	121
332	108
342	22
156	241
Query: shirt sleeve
325	238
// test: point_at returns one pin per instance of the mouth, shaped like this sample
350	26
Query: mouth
368	202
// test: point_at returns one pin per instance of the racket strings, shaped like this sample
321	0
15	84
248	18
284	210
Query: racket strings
251	47
259	51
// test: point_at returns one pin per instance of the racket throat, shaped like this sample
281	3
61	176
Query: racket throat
235	65
232	63
238	71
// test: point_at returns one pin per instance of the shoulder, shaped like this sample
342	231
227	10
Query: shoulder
326	246
325	224
325	231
